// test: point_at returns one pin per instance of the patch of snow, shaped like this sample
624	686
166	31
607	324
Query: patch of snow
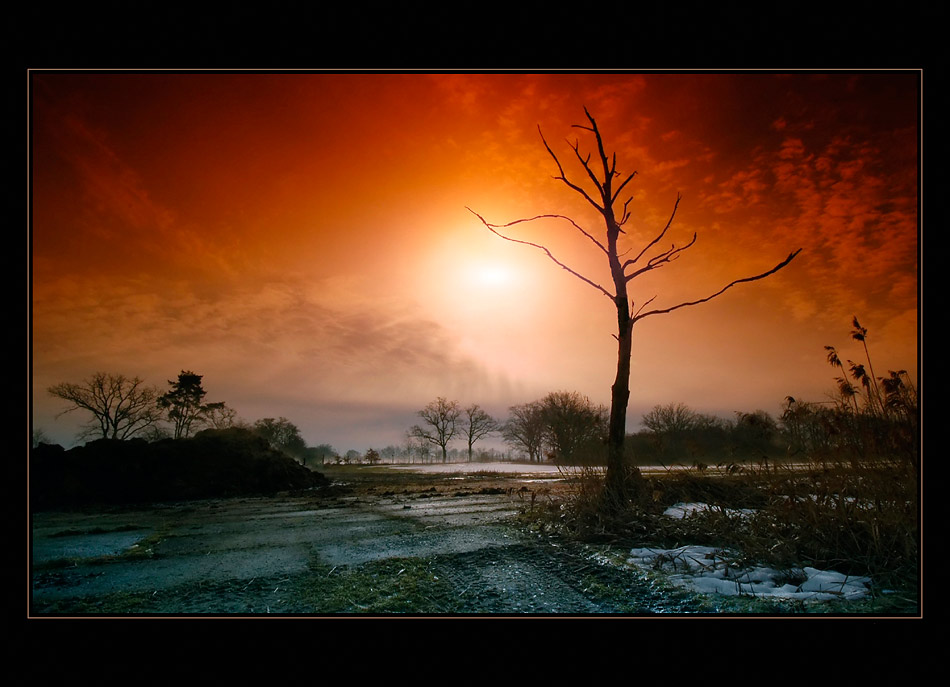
681	510
707	570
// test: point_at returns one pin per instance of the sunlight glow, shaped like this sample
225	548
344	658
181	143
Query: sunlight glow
492	275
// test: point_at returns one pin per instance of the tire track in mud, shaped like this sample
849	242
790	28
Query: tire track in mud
471	543
541	578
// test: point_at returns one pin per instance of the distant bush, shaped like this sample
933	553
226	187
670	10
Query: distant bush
214	463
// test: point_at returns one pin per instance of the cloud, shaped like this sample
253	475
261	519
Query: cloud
740	191
842	200
283	339
115	221
109	185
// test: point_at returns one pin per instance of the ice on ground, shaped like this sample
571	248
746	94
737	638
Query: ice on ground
681	510
707	570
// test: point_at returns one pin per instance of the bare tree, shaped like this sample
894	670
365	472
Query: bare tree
476	425
282	435
389	453
410	446
440	417
121	408
525	429
571	424
220	416
606	195
673	418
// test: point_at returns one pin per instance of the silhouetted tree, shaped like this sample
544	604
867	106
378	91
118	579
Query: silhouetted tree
441	418
807	427
185	407
676	431
282	435
754	434
671	419
476	425
604	198
524	429
121	407
571	423
220	416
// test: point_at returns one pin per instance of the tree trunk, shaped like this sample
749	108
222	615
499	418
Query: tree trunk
616	483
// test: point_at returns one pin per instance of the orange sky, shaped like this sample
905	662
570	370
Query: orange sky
301	240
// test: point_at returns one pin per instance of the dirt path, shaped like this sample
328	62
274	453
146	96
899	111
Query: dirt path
417	544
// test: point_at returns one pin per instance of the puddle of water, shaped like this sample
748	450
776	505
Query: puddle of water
518	468
85	545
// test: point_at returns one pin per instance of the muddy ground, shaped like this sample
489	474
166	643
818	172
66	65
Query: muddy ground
374	543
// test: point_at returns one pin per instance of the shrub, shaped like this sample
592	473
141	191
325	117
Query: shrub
213	463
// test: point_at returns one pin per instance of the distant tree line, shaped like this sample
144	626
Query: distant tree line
675	433
867	417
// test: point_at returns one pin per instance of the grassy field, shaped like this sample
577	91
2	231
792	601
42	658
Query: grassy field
860	518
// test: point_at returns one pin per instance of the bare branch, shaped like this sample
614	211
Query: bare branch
660	260
531	219
493	229
563	178
637	315
608	173
657	239
625	216
620	188
585	163
775	269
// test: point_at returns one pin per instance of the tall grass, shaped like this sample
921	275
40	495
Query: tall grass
856	519
848	501
870	417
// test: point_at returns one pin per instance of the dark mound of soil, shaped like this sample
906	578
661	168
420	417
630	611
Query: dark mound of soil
212	464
